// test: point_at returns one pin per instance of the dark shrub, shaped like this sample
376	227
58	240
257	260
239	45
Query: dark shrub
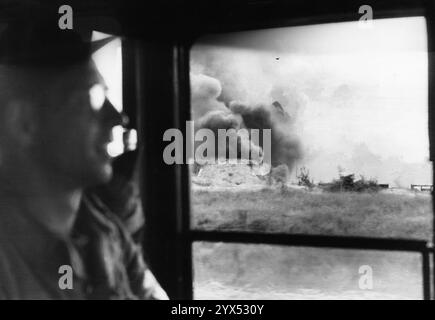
348	183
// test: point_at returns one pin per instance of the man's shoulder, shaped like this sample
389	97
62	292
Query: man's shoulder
29	260
11	267
11	264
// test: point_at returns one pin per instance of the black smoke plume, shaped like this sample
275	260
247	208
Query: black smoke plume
209	112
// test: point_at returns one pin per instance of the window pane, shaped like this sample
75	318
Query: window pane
121	193
347	108
238	271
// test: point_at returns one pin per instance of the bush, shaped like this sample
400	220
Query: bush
304	178
348	183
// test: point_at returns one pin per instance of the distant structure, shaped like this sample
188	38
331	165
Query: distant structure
383	185
422	187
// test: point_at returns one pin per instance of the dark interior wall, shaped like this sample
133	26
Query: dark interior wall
177	17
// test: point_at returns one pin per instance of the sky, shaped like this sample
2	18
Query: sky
358	96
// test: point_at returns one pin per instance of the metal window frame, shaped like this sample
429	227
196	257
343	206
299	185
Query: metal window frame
163	101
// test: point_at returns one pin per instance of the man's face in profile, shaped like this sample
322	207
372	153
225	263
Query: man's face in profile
76	128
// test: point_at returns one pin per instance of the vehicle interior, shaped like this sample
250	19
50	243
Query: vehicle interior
155	48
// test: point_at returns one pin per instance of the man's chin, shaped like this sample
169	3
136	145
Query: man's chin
100	175
106	173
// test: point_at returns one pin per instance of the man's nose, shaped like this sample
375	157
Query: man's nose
112	116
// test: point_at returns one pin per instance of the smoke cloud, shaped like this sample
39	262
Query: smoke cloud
211	113
285	146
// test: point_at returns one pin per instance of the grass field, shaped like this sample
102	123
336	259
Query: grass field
259	271
381	214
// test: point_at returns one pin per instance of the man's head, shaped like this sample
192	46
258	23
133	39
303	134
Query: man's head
54	116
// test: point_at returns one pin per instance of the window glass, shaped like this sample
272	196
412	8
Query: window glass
347	106
108	59
239	271
122	193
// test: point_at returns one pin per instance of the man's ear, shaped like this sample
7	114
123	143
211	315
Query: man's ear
20	121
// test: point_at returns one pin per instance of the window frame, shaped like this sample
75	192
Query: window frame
162	91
